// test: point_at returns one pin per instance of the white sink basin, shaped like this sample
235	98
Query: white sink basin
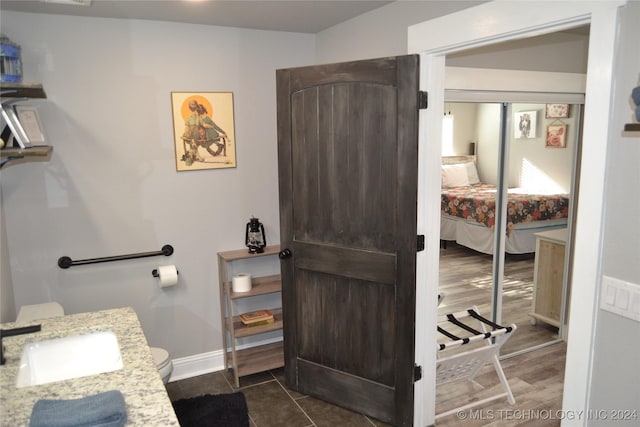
69	357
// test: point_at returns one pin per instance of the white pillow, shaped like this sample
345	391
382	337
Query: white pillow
454	176
472	173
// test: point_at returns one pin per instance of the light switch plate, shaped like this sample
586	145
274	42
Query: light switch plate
620	297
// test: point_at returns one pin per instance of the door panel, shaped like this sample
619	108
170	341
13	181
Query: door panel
347	150
367	265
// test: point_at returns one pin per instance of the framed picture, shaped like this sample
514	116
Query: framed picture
556	136
11	126
557	111
30	121
525	124
204	135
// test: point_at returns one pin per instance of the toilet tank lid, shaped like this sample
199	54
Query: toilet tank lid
29	313
160	356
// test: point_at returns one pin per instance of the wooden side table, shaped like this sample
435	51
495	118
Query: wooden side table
548	277
256	358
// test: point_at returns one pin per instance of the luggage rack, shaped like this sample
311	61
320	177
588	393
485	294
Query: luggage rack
466	365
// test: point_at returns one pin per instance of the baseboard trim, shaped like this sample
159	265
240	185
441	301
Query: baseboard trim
206	363
198	364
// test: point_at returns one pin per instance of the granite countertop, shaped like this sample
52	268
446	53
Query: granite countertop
139	381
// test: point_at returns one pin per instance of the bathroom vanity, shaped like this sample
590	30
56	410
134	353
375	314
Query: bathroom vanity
144	393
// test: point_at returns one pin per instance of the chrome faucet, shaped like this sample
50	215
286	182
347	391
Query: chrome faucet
14	332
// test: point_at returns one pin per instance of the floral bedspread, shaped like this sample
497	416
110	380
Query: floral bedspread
478	203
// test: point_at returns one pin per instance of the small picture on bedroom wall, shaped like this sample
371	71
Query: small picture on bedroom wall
203	127
557	111
556	136
525	124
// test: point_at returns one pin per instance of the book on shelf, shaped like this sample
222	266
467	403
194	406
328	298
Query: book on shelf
261	322
256	316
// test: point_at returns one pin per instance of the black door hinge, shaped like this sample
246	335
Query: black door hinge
420	242
417	373
423	100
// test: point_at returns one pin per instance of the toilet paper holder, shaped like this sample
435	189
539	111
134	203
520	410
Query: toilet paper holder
155	273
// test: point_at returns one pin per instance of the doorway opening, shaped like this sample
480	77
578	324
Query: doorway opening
433	41
437	79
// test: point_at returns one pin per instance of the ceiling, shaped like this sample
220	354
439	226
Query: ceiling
301	16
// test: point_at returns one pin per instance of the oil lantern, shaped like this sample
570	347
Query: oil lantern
255	238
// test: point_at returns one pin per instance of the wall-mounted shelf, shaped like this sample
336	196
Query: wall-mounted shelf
632	127
8	154
21	90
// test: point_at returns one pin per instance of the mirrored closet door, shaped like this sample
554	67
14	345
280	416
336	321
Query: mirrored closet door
507	181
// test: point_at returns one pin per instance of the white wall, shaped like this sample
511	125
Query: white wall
564	52
7	307
531	164
616	376
464	125
535	166
111	185
381	32
488	128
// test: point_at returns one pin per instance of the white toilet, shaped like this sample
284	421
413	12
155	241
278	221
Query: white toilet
29	313
163	363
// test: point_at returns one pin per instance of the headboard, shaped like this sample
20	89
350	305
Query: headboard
454	160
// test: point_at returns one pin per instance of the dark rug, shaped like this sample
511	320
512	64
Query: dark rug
219	410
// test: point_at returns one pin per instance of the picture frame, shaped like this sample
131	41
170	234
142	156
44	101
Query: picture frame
204	130
557	111
11	126
556	136
525	124
30	122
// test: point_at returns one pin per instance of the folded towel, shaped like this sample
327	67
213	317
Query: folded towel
103	409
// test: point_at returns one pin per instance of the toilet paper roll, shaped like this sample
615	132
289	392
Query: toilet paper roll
168	275
241	282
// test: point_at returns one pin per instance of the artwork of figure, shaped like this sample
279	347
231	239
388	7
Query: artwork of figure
202	141
524	125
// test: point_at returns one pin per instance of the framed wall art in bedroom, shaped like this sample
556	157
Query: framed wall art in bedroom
557	111
556	136
525	124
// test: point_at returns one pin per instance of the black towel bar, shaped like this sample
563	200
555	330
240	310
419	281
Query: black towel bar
66	262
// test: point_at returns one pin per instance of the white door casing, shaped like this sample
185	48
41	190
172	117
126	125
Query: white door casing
487	24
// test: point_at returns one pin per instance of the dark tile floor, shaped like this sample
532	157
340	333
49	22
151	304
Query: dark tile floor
270	402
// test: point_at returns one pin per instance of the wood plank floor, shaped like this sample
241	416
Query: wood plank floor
466	280
536	378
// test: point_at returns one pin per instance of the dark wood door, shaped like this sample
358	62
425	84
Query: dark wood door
348	162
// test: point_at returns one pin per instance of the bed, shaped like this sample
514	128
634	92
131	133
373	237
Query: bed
468	210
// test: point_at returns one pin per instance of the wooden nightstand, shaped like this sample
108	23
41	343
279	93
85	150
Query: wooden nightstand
548	277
